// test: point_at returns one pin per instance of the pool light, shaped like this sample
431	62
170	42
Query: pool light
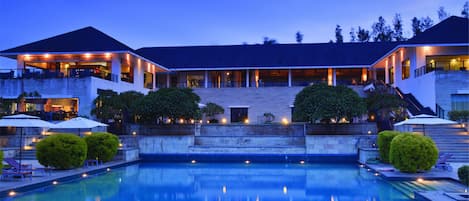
12	193
302	162
84	175
420	180
376	174
193	161
55	182
361	165
368	169
369	132
108	169
224	189
285	190
134	133
247	161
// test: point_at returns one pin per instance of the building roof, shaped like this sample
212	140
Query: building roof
81	40
451	30
277	55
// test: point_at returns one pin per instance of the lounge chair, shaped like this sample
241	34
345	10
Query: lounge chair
13	173
441	163
15	167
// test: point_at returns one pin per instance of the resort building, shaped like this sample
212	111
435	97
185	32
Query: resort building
430	70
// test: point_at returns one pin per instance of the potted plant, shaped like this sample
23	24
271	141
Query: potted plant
268	117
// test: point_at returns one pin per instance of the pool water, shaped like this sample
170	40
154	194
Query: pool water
233	182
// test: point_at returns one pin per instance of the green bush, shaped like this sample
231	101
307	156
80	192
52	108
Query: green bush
463	174
61	151
1	161
102	146
459	115
412	153
384	144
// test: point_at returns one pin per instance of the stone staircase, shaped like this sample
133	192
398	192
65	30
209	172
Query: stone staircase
27	155
261	144
449	139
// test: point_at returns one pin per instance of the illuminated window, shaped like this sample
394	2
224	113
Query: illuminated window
148	80
405	69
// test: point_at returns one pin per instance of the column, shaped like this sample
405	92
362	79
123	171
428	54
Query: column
206	79
247	78
386	72
364	75
289	77
115	68
168	78
19	66
138	74
154	78
334	77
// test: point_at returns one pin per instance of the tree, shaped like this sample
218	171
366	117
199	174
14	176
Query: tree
170	103
382	102
381	31
299	37
363	35
416	28
442	14
338	34
319	102
212	109
397	24
269	41
426	23
465	10
116	107
353	35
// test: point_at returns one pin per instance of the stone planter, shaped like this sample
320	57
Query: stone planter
367	153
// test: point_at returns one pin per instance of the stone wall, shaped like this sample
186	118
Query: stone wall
252	130
337	144
165	144
447	83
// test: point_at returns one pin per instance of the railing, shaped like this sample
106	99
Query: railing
422	70
46	74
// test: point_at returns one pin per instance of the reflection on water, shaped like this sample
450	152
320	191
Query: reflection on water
219	182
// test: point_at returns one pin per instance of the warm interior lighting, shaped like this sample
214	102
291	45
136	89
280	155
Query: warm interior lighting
55	182
285	121
223	120
192	121
46	56
27	147
246	121
329	76
426	48
107	55
27	57
12	193
87	55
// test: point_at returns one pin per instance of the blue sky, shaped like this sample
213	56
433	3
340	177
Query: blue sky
141	23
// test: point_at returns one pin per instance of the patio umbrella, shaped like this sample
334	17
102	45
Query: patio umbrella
425	119
79	123
24	121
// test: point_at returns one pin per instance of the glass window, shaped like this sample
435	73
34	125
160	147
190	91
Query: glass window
391	75
221	79
161	80
348	76
127	72
306	77
273	78
195	79
460	102
405	69
239	115
148	80
447	63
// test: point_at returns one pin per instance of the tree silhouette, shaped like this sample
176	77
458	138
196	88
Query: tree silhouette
269	41
397	24
338	34
299	37
416	26
353	35
442	14
381	31
465	10
363	35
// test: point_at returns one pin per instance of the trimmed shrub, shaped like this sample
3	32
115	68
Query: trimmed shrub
463	174
61	151
412	153
384	144
102	146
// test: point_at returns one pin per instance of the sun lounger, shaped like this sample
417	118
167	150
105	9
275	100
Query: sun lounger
441	163
24	167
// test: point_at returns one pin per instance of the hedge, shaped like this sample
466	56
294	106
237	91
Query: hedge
61	151
463	174
1	161
102	146
459	115
384	144
412	153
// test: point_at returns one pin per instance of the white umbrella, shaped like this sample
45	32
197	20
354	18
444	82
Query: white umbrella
425	119
24	121
79	123
201	105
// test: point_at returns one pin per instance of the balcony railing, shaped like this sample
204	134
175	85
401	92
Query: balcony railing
422	70
46	74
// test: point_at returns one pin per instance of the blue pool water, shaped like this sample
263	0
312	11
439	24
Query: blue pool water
233	182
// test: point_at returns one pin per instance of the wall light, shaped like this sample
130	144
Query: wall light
87	55
246	121
420	180
27	57
223	120
427	48
134	133
192	121
285	121
181	121
46	56
107	55
193	161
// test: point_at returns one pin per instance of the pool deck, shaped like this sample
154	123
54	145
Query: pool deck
21	185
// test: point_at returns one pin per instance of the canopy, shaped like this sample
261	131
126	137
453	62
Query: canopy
24	121
79	123
425	119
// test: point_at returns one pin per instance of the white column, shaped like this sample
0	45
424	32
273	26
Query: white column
167	80
206	79
19	65
247	78
138	74
116	68
289	77
386	72
154	80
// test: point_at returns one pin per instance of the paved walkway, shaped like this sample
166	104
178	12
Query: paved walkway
14	184
389	172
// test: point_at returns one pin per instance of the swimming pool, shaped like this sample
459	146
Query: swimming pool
233	181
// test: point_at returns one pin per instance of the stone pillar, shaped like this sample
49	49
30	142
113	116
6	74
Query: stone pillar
115	68
247	78
334	77
206	79
289	77
138	74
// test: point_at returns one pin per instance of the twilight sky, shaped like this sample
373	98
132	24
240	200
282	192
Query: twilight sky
143	23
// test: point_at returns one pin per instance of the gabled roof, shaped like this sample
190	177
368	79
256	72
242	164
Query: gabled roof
451	30
277	55
81	40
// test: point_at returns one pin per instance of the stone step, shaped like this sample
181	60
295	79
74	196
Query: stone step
249	141
251	150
